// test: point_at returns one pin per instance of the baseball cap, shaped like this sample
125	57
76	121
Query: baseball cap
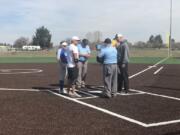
64	44
107	41
119	35
76	38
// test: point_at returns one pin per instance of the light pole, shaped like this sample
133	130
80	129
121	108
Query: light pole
170	31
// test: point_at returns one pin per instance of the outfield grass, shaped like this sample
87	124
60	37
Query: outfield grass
136	60
142	56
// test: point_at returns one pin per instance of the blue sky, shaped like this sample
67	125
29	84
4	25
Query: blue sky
136	19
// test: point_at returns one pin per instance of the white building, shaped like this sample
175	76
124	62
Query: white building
31	48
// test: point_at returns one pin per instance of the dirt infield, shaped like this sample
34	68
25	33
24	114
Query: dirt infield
28	108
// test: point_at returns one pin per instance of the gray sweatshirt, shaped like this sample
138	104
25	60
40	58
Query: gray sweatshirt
123	53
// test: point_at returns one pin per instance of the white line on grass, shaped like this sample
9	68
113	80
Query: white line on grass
157	71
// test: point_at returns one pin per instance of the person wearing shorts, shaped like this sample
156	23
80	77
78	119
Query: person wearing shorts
73	58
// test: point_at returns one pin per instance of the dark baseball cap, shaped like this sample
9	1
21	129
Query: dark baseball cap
107	41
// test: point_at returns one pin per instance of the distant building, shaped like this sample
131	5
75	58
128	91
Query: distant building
31	48
4	48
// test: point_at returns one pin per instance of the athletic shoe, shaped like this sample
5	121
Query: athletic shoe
123	92
78	86
83	86
74	95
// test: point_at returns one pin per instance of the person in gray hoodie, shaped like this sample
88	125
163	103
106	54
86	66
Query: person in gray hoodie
123	60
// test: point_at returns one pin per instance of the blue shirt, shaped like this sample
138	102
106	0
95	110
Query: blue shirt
83	50
109	54
62	55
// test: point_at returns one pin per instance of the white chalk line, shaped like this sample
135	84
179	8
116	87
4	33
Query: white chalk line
18	71
142	92
163	96
121	116
107	111
150	67
30	90
124	117
157	71
101	109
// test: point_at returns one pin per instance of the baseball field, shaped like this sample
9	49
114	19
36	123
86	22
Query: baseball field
30	104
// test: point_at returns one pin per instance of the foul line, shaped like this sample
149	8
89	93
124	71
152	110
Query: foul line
121	116
150	67
102	110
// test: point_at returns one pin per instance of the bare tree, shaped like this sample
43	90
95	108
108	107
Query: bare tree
20	42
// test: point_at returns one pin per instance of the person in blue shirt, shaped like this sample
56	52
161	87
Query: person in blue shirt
84	54
62	60
109	56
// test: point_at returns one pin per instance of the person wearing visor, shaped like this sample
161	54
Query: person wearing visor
62	60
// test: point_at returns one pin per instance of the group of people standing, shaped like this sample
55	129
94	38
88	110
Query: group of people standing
73	62
112	54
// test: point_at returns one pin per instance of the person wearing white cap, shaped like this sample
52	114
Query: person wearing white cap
73	58
123	60
62	60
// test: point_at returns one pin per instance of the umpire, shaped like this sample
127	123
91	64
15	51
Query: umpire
123	60
108	55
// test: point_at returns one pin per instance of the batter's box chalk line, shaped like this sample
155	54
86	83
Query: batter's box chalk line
131	120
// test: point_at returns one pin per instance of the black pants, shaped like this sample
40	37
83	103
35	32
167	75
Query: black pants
72	75
123	78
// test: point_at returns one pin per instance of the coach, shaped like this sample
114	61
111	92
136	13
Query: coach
123	60
109	56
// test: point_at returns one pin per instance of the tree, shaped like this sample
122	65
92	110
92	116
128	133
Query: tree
140	44
21	42
155	41
158	41
42	38
150	42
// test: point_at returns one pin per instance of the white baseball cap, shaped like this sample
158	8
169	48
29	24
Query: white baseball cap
75	38
119	35
64	44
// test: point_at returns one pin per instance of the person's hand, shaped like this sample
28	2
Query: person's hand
86	55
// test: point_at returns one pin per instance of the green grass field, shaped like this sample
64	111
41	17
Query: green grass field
141	56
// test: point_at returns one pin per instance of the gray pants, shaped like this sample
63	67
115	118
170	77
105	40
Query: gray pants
82	66
110	72
62	71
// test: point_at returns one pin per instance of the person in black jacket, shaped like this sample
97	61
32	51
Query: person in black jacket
123	60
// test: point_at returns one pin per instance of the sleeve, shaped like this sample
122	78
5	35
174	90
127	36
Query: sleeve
122	54
75	49
101	54
58	54
89	50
